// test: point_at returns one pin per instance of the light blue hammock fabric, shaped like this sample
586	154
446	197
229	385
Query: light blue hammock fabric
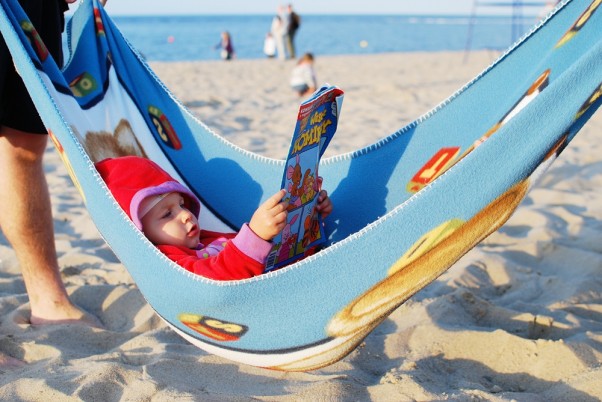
407	207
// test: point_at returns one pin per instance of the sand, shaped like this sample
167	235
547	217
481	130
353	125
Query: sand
518	318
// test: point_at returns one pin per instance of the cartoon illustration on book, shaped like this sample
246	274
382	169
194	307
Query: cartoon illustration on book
315	127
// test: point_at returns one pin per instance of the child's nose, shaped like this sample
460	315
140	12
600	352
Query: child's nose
186	215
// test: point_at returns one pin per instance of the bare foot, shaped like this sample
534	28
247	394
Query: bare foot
9	363
64	314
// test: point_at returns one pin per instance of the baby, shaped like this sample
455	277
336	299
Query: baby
167	213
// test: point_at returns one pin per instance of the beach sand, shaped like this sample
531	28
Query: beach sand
518	318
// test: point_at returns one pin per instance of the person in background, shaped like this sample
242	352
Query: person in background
269	45
303	76
25	215
277	33
294	22
226	47
285	19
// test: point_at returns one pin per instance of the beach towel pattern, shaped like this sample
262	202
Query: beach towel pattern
407	207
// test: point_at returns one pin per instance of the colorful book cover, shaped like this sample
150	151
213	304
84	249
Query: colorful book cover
316	124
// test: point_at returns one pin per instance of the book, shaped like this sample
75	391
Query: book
315	126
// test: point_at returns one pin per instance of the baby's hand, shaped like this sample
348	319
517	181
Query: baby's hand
270	217
324	204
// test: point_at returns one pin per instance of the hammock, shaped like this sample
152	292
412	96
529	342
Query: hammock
407	207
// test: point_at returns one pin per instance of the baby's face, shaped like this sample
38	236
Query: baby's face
170	222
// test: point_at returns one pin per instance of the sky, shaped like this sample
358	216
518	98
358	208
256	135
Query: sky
212	7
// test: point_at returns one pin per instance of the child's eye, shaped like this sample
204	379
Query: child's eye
167	214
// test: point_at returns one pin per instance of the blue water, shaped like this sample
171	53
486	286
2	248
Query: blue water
175	38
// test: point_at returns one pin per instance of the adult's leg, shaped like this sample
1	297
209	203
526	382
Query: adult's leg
291	37
280	46
290	47
26	221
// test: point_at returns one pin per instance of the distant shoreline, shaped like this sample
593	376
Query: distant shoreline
194	37
503	16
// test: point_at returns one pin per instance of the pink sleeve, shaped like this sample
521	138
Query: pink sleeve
252	245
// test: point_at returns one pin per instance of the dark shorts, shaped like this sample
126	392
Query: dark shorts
301	88
16	108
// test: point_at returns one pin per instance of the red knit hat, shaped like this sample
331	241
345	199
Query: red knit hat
131	179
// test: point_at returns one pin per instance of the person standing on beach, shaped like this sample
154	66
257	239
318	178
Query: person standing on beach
294	22
284	20
25	216
277	34
226	46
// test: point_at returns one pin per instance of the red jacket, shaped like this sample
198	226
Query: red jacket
221	256
229	261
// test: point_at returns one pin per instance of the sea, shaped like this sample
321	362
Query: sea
194	37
